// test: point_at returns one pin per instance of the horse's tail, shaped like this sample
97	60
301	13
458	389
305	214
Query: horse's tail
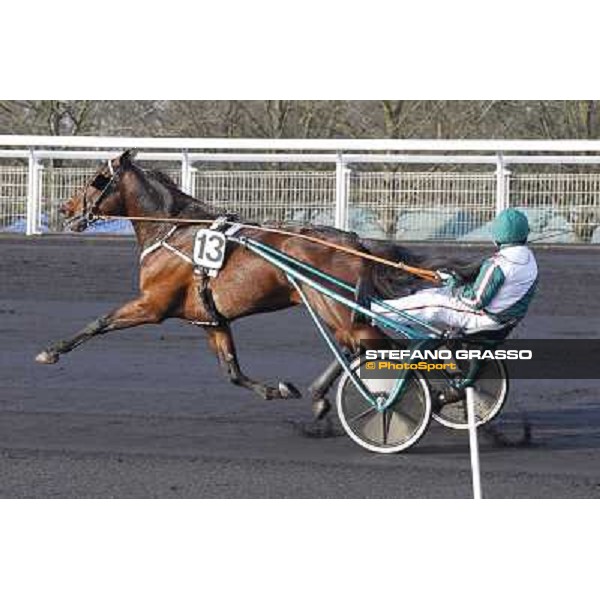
385	281
388	282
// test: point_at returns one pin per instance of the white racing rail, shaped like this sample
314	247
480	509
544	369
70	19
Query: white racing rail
438	199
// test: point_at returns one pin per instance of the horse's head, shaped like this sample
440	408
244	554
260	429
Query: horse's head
101	195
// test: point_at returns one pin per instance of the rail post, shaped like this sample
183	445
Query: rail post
33	194
502	183
186	173
473	444
341	192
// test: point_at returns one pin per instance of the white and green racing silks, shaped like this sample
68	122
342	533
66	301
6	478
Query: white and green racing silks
480	293
505	285
519	309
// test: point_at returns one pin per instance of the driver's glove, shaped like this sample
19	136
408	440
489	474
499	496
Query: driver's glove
449	279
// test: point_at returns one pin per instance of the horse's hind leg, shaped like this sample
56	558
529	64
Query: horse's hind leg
320	386
361	336
221	341
136	312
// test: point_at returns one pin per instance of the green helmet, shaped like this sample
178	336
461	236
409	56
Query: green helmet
510	227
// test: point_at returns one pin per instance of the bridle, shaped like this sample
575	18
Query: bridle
89	210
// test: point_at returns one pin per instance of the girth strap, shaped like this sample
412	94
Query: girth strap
206	298
202	275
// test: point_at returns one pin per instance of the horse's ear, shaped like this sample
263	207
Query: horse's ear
127	157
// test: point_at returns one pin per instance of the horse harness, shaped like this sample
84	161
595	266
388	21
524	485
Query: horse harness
202	275
101	183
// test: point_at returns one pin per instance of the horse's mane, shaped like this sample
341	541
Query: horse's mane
165	179
324	232
161	194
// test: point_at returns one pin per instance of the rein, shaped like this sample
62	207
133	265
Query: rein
426	274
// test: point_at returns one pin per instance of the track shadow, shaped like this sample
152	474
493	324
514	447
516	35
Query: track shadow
512	432
573	428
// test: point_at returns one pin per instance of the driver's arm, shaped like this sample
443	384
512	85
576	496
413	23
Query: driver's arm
481	292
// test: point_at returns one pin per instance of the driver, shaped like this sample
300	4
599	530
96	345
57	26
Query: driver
500	294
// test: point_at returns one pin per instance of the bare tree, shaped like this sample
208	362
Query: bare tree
306	118
50	117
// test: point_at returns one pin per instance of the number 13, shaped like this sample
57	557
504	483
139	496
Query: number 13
209	249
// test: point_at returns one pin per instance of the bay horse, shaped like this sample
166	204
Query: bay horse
246	284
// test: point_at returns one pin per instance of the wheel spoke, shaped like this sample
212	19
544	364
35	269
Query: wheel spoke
386	425
362	414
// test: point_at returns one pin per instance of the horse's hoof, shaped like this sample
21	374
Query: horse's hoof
288	390
320	407
319	429
47	358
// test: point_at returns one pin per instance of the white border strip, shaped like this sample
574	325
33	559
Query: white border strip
331	145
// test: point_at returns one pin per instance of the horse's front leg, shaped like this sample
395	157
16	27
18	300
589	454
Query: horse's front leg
221	342
140	311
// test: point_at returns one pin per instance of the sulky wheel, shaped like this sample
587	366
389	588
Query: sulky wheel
395	429
490	391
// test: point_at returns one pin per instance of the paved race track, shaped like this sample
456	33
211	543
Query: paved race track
147	413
